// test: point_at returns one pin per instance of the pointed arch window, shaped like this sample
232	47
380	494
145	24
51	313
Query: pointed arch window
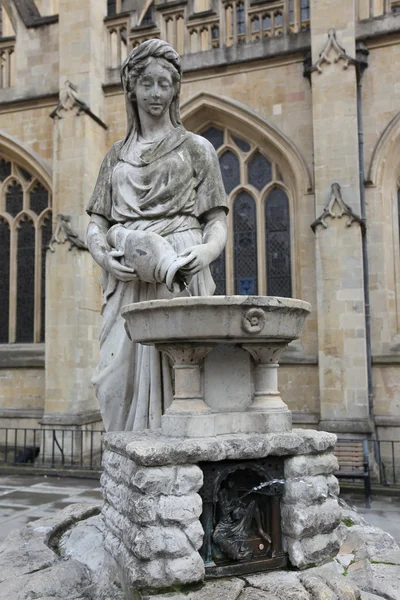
277	244
245	244
25	232
257	258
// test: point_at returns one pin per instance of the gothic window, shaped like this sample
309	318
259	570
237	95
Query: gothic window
214	136
25	232
277	244
4	279
257	258
230	170
259	170
245	244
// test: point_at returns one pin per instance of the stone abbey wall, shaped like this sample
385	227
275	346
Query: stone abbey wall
314	118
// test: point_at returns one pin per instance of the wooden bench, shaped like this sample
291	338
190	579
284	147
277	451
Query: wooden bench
353	461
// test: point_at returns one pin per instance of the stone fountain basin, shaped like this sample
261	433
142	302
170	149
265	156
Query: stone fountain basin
216	319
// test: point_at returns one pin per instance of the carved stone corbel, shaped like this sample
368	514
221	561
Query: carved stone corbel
64	233
343	209
70	100
332	45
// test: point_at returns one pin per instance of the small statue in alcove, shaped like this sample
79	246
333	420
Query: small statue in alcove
236	522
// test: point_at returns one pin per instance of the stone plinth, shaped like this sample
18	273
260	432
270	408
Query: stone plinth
152	509
189	329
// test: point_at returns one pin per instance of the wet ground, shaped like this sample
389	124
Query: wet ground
27	498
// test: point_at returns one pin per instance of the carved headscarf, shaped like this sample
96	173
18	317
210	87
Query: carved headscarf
134	65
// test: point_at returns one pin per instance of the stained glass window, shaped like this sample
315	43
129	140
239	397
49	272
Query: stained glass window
305	10
4	280
266	22
5	169
14	198
218	274
246	171
242	144
22	313
39	198
277	236
240	18
259	171
291	12
25	281
230	169
111	7
278	19
214	136
245	244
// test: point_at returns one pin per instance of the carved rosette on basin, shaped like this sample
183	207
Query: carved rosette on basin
187	329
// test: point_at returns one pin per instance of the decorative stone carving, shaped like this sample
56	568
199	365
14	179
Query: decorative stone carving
253	320
332	45
64	233
343	209
69	100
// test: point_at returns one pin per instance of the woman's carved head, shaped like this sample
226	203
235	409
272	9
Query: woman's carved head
151	75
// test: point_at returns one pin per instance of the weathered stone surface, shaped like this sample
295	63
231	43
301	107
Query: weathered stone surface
303	466
380	579
299	521
253	594
187	569
380	546
312	551
222	589
150	542
189	479
285	585
317	588
25	551
179	509
195	534
22	553
151	448
84	543
69	580
368	596
306	490
332	575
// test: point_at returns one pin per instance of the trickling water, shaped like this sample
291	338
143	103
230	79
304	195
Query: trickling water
187	287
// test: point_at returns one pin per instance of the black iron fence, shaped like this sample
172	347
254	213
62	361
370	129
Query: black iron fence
82	449
51	448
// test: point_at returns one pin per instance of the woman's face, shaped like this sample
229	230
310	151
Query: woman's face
154	89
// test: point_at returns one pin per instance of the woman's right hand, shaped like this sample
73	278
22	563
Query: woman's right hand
113	266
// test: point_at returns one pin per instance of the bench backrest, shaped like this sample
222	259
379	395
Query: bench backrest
352	455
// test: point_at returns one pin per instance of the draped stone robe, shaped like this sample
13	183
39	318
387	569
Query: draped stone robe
165	187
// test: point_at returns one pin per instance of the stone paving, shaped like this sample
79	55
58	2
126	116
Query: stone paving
26	498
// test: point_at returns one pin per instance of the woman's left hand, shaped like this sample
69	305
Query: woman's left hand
202	256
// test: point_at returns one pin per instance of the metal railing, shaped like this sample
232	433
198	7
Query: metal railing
83	449
51	448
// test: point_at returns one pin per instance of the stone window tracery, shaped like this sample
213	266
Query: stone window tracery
25	232
257	258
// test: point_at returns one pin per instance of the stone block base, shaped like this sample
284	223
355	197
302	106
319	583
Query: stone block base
209	425
152	507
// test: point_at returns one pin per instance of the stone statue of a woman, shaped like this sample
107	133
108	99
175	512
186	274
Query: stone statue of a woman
161	180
